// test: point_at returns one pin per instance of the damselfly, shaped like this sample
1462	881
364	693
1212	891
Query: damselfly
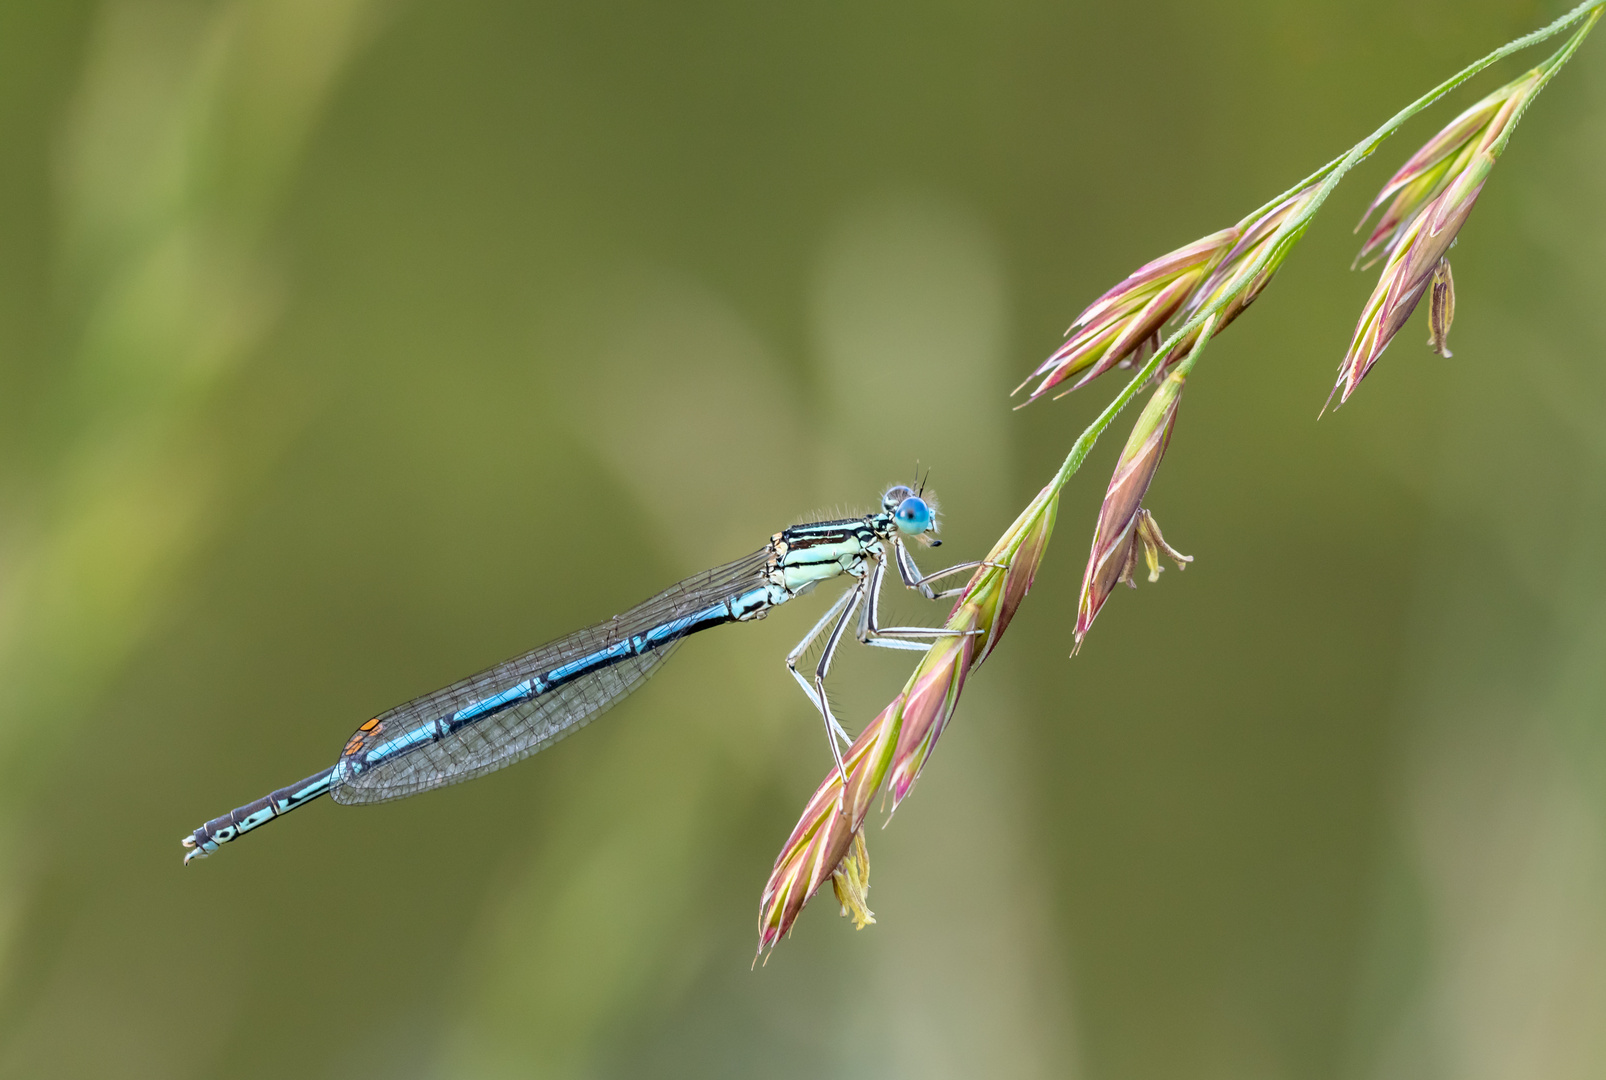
526	704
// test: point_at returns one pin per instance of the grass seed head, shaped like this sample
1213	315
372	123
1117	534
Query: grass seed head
825	833
1123	524
1412	266
1254	233
1433	194
1441	159
1119	326
930	700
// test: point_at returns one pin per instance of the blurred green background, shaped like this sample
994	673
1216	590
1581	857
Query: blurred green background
348	346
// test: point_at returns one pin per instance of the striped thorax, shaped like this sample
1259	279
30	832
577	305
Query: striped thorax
805	555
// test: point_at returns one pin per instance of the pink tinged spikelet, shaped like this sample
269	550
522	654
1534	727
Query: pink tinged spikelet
1021	549
1443	157
1426	174
1409	271
1433	195
825	832
930	702
1253	234
1117	327
988	604
1123	523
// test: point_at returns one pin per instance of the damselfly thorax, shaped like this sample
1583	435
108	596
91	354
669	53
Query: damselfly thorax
519	707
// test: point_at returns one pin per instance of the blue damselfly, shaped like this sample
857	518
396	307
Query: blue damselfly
526	704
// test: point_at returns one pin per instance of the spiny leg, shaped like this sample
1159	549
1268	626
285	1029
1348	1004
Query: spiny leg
855	594
914	579
803	646
896	637
842	612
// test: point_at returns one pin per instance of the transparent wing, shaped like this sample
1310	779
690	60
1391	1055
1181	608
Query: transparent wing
531	721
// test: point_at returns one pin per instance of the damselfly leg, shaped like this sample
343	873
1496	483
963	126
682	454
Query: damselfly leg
871	632
921	583
841	612
832	614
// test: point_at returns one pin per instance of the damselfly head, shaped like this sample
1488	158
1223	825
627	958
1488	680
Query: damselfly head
914	516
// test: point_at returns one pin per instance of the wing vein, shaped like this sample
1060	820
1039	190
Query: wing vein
523	705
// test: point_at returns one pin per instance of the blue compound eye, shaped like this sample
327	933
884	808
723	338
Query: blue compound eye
913	516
